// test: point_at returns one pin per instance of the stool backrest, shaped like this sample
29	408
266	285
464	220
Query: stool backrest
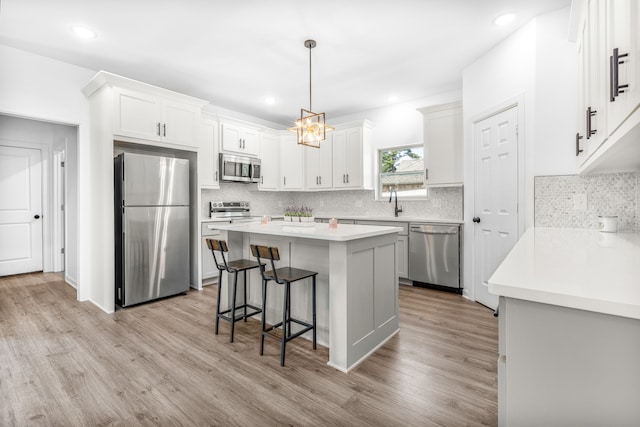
266	252
218	246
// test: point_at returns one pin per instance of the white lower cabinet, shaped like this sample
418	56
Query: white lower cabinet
561	366
402	248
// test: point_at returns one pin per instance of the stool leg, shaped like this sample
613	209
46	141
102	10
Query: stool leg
288	310
313	308
245	295
233	304
218	302
285	309
264	314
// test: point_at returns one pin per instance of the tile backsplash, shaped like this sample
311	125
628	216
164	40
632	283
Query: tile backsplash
443	203
558	200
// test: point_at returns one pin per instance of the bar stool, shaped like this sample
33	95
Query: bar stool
232	267
283	276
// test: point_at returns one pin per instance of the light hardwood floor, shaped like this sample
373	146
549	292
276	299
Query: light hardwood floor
63	362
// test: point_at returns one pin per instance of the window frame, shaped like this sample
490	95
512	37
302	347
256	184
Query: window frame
379	193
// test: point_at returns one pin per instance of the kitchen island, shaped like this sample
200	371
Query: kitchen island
357	284
569	329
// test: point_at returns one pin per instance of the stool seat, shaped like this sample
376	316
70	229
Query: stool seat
232	267
288	274
283	276
239	265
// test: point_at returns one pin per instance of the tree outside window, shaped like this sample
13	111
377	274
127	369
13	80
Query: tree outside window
402	169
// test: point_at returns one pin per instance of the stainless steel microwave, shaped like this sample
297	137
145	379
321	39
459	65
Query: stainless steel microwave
239	168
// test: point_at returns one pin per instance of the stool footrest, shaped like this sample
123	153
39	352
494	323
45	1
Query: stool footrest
222	314
307	328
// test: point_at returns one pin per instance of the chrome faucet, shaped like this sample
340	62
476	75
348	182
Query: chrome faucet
397	209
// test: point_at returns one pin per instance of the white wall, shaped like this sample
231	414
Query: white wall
40	88
537	67
399	124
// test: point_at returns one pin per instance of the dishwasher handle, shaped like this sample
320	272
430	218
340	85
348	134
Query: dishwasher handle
447	232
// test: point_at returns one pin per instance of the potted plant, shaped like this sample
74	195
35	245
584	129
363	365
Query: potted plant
298	214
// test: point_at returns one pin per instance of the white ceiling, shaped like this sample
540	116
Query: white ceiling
234	53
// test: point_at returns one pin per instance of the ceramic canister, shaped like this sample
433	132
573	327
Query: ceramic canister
608	224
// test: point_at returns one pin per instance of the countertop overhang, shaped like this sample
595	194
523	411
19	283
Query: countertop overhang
312	230
575	268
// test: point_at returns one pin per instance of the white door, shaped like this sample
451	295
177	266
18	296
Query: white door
20	210
495	141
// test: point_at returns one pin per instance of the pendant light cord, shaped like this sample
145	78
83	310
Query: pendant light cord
310	109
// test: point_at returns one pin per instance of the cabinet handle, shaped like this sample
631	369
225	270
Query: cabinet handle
158	128
164	129
316	180
344	179
578	149
320	180
615	87
590	114
347	178
426	174
285	180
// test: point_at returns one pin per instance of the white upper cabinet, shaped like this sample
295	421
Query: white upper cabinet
133	111
291	163
208	162
353	156
608	41
239	139
319	166
443	145
150	117
270	162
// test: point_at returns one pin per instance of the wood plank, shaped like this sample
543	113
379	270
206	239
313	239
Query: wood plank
63	362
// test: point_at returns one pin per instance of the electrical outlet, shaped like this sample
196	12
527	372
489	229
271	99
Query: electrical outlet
436	203
580	202
358	203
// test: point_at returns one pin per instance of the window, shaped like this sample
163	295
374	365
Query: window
402	169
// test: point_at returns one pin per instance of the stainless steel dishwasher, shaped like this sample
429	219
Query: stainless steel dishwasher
434	255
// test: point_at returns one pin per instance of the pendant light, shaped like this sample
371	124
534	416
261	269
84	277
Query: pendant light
310	127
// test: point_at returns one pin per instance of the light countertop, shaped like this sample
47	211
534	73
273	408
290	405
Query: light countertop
576	268
393	218
311	230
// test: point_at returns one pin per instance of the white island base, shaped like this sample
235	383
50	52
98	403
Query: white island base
357	283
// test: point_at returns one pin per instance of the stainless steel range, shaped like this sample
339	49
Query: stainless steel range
232	212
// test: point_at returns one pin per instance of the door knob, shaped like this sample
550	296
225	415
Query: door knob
36	216
476	219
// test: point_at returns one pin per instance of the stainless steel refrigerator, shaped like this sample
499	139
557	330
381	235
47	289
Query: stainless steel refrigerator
151	227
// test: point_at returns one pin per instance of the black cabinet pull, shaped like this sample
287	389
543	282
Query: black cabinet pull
590	114
158	128
614	84
578	149
476	219
164	129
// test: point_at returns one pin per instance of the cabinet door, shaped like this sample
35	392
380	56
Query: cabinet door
251	142
402	255
231	136
291	164
208	154
318	166
354	158
622	31
270	166
595	113
583	89
339	139
137	115
443	146
179	123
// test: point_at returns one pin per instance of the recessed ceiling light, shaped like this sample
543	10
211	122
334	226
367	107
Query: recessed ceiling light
269	100
504	19
393	98
83	32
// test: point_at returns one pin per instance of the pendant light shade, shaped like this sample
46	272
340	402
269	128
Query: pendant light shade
310	127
